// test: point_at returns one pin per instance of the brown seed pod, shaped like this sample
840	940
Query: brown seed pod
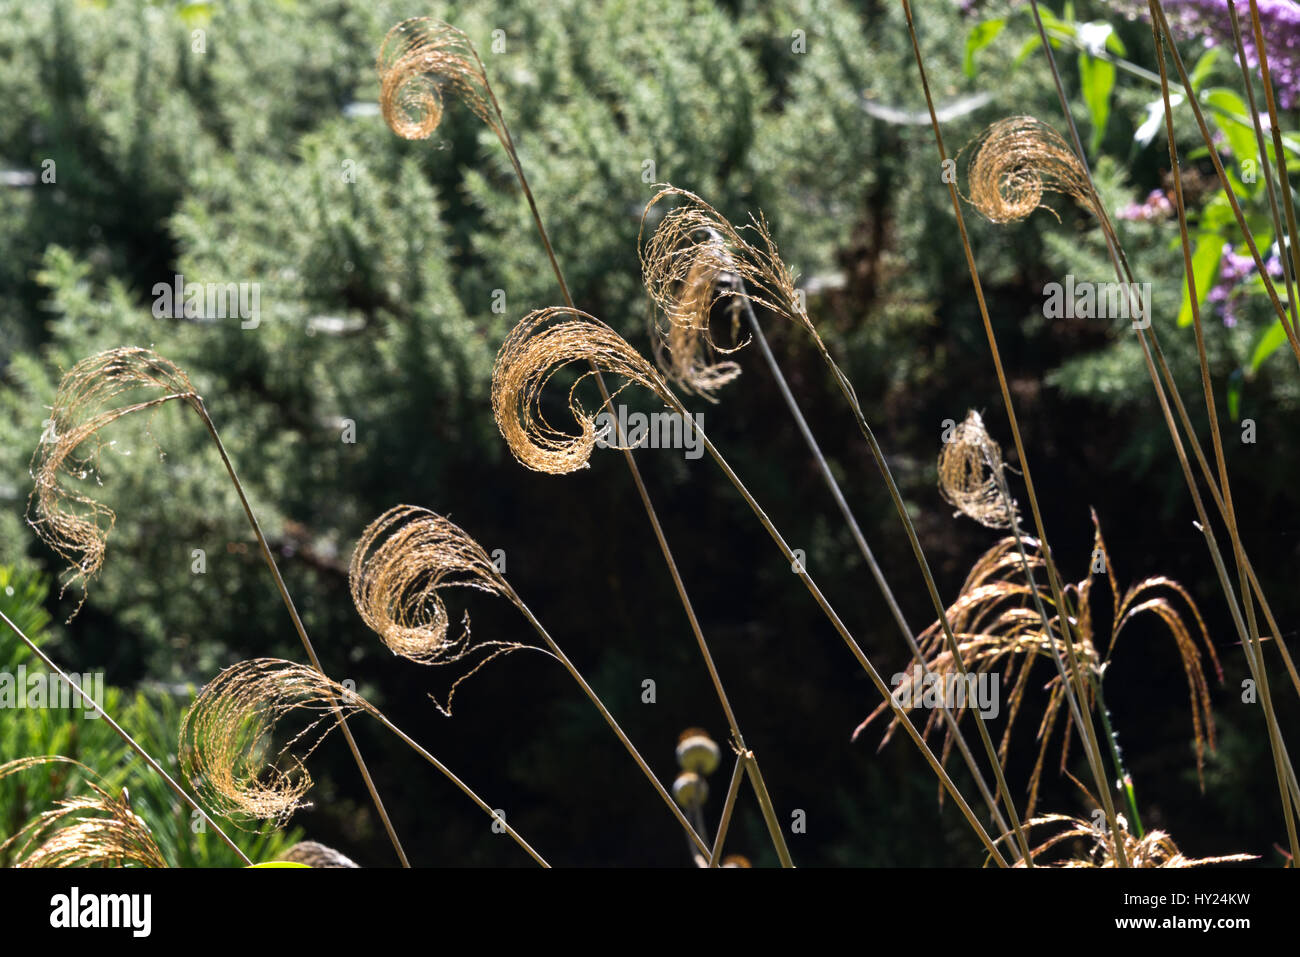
97	392
420	60
1015	161
226	736
698	752
970	466
544	342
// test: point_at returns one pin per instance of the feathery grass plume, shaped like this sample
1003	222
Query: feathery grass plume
683	345
226	736
999	630
1015	161
104	831
545	341
97	392
694	243
419	60
1153	849
91	831
401	562
970	466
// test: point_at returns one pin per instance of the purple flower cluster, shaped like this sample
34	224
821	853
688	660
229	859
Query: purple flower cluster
1234	271
1210	19
1156	207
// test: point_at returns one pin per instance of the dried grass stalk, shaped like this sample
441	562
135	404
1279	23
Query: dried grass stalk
999	631
970	469
226	738
1015	161
419	60
543	343
403	560
91	396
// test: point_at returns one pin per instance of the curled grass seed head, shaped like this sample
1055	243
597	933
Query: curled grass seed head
683	344
544	342
420	60
91	396
226	736
970	464
694	243
1015	161
403	559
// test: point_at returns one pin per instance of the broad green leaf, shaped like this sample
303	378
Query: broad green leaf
1098	79
1203	67
1234	394
1230	114
981	36
1268	344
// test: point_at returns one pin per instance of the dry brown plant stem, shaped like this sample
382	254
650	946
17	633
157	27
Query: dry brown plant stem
1254	655
1275	737
855	531
201	409
126	738
692	833
1089	733
496	121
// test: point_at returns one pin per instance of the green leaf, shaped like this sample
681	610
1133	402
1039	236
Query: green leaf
1203	67
1235	380
1205	268
1098	79
1268	344
981	36
1230	114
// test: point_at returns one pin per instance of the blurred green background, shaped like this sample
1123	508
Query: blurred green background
239	142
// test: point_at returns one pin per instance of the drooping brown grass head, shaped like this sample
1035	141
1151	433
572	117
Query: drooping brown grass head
1016	161
94	830
97	392
1000	632
422	59
970	468
543	343
1093	845
227	749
